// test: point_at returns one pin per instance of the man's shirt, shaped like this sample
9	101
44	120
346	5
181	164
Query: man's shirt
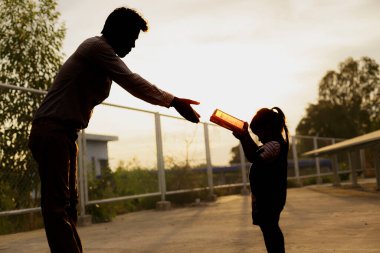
84	81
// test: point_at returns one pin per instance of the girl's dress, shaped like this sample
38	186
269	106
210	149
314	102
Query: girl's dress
268	181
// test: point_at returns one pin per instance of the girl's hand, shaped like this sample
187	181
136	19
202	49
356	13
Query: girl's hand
243	134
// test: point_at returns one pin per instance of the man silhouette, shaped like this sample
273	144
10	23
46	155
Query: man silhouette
83	82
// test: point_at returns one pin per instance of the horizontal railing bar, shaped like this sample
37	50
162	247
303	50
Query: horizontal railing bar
325	174
140	110
228	185
109	200
14	87
20	211
319	138
203	188
186	190
127	107
92	202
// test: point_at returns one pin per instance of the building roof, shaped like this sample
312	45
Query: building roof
98	137
354	143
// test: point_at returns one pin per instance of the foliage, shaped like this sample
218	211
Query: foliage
30	43
348	101
125	181
131	179
20	223
326	119
235	154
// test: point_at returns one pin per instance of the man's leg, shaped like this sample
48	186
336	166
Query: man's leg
52	152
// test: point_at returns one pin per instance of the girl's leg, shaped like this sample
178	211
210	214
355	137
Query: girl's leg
273	237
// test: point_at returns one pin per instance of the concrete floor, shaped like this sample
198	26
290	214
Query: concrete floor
318	219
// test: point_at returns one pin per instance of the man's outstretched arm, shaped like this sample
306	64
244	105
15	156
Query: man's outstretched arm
103	55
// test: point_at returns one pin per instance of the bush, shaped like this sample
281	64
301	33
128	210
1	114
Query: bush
20	223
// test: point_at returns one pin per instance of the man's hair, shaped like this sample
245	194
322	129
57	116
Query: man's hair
122	20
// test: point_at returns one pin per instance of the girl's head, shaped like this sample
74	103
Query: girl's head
269	124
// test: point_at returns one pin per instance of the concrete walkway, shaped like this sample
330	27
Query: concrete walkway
318	219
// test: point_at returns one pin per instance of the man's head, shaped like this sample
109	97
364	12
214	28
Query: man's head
122	29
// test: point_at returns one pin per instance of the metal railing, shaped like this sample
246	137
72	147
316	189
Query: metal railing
300	169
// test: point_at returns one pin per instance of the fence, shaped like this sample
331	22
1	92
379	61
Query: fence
163	152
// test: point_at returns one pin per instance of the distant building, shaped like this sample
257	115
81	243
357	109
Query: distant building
97	152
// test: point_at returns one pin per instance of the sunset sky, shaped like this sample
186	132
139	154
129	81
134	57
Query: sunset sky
235	55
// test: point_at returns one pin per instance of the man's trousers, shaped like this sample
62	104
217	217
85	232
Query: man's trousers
54	148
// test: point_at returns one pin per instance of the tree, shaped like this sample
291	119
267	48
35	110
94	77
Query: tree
30	42
347	103
235	154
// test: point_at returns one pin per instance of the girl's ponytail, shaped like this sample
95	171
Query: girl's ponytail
282	122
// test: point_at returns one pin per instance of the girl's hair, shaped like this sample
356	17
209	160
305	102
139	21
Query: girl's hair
273	119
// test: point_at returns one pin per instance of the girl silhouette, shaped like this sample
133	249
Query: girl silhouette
268	173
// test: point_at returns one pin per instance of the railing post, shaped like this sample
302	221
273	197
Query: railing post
362	162
377	167
319	179
160	156
243	165
83	219
295	160
208	162
352	164
335	165
81	175
163	204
